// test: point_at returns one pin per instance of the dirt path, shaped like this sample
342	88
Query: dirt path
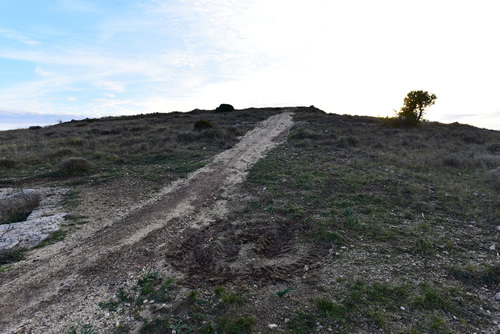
63	287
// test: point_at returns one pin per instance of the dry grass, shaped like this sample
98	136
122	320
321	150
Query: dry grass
139	142
18	206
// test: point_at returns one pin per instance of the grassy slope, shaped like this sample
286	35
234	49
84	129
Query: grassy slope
409	215
415	210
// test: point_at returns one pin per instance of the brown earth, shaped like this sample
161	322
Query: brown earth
60	285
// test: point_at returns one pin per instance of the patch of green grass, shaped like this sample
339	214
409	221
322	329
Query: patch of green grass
5	268
302	322
477	274
83	329
111	305
238	325
438	323
156	326
54	237
283	292
233	298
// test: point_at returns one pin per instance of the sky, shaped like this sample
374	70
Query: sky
73	59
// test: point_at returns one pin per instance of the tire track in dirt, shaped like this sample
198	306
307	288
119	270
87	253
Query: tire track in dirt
43	296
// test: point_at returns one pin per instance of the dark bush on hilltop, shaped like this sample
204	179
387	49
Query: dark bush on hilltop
202	124
224	108
74	166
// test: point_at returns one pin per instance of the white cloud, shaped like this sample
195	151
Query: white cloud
357	57
114	86
15	35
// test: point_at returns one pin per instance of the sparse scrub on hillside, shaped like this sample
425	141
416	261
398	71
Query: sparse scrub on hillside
122	142
494	178
494	148
404	195
74	166
7	163
371	224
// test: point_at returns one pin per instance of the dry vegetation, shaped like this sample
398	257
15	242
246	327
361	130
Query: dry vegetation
348	227
166	145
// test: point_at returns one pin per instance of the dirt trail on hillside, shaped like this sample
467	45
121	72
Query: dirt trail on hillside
53	291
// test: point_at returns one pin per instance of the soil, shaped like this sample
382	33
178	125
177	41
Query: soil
172	229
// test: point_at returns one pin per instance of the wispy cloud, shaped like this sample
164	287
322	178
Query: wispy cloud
19	37
346	57
114	86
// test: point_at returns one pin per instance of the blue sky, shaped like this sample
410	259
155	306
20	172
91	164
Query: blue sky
72	59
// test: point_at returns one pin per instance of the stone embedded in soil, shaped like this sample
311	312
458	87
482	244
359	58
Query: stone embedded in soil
497	296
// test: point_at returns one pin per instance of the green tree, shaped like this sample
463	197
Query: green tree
414	107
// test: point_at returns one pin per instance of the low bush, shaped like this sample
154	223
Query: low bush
477	275
186	137
473	138
202	124
494	178
74	166
302	133
17	207
393	122
64	152
493	148
7	163
11	255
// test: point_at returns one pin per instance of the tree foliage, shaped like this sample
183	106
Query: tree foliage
414	107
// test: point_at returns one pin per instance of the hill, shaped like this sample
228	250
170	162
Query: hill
345	226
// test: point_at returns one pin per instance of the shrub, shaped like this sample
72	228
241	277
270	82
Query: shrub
74	166
494	178
186	137
7	163
210	134
224	108
11	255
302	133
473	139
494	148
64	152
202	124
17	207
393	122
